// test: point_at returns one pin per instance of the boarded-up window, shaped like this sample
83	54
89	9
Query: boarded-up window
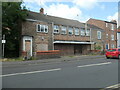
42	47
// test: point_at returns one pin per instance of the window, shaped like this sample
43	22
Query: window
56	29
112	26
42	28
82	32
112	46
112	37
76	31
106	35
118	49
99	34
63	30
70	31
106	24
87	32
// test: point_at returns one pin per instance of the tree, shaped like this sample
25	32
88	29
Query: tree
12	14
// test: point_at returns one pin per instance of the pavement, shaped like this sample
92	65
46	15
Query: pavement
53	60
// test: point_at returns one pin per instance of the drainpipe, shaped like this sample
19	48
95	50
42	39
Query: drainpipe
53	35
91	37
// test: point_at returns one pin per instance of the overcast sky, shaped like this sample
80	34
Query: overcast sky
80	10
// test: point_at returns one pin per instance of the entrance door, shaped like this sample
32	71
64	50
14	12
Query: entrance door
27	45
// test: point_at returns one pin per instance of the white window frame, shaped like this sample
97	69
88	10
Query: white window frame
82	32
98	34
63	29
77	31
112	37
44	26
112	26
70	30
106	35
87	32
106	24
112	46
56	28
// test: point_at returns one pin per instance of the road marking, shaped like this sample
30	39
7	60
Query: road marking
114	86
94	64
30	72
111	87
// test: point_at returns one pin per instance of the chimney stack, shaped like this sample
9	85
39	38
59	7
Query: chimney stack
41	11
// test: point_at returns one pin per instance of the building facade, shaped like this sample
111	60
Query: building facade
110	28
41	32
97	36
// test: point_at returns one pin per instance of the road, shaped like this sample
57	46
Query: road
82	73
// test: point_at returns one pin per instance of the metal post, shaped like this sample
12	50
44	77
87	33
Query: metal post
3	46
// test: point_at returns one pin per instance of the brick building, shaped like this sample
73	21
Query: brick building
41	32
97	36
110	28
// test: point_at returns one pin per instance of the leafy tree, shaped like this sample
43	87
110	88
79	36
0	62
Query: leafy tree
12	15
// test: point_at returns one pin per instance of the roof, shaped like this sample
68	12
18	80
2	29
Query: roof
104	21
55	20
93	26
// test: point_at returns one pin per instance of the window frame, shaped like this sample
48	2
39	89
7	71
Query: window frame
70	30
87	32
38	28
56	29
112	26
64	28
106	24
77	33
112	37
82	32
112	46
98	33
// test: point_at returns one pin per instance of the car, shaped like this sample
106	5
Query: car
113	53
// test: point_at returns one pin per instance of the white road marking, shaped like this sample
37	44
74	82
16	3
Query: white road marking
94	64
30	72
114	86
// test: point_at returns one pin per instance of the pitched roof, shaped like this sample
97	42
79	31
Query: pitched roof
103	21
55	20
93	27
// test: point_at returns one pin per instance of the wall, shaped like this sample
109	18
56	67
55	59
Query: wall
102	24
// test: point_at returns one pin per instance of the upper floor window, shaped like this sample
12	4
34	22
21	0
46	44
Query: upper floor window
112	46
63	30
106	35
87	32
106	24
112	37
56	29
99	34
76	31
42	28
112	26
70	31
82	32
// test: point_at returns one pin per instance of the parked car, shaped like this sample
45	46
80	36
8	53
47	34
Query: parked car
113	53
